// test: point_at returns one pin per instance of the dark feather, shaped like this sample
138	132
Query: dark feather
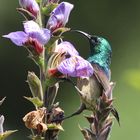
101	76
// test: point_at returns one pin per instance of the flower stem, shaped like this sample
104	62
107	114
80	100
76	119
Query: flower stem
43	71
49	93
40	15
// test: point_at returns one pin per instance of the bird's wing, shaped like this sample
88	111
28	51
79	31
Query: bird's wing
101	77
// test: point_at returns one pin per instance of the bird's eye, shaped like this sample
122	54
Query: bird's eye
95	40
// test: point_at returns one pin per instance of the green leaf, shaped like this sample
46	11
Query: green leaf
4	135
49	8
54	126
35	100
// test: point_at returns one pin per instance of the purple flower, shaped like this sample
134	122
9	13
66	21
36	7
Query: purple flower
30	5
76	66
73	65
59	16
33	35
66	47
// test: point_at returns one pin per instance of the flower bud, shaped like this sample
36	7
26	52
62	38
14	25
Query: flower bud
59	16
30	5
35	85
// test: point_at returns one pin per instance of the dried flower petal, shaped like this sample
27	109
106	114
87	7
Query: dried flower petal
33	118
42	127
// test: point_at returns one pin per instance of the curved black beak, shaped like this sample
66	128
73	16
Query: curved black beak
92	39
83	33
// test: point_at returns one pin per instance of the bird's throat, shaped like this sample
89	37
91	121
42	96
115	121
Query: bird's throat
102	60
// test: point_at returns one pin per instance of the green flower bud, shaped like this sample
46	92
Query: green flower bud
35	85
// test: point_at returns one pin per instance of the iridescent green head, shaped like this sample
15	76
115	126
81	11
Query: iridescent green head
100	51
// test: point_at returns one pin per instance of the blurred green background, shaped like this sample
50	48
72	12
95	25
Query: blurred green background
116	20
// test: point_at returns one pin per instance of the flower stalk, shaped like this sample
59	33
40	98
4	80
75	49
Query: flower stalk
101	121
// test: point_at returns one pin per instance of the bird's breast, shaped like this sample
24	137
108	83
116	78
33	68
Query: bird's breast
91	89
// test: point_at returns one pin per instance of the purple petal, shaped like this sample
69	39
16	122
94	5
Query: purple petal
76	66
34	31
42	36
30	5
59	16
66	47
46	35
18	38
31	26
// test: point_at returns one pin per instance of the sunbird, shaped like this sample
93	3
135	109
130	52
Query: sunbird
100	57
91	88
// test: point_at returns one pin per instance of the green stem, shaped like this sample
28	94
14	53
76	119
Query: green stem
40	15
43	66
43	71
49	93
